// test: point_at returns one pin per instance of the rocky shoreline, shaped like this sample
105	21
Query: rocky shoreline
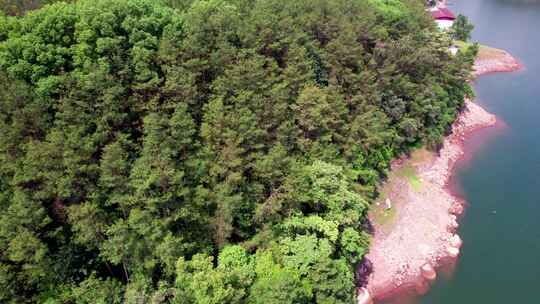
422	237
500	61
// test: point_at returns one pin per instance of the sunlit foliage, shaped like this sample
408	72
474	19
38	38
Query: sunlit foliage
208	151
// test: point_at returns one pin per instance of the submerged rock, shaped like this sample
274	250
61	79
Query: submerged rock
428	272
421	287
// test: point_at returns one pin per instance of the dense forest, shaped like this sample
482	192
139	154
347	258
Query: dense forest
207	151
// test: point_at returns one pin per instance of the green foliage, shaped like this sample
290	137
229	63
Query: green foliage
462	28
276	284
208	151
198	281
98	291
392	9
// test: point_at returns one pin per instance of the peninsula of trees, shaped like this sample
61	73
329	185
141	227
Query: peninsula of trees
208	151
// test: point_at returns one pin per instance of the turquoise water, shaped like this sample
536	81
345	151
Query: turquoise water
500	261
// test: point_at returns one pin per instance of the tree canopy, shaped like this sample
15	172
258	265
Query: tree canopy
462	28
208	151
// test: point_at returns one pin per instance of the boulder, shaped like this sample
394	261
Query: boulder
455	241
364	297
453	225
453	252
457	209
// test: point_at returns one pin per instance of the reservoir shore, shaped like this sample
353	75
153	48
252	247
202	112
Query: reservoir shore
415	220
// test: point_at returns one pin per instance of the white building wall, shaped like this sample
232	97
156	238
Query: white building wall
444	24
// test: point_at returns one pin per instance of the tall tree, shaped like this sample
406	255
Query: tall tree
462	28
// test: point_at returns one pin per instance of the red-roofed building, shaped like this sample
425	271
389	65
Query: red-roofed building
443	14
444	17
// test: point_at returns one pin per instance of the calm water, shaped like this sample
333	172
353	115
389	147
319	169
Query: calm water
500	261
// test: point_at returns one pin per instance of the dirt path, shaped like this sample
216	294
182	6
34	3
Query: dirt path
417	234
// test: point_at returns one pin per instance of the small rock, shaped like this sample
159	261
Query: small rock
388	204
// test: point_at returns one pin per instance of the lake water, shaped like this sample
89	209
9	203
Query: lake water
500	261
